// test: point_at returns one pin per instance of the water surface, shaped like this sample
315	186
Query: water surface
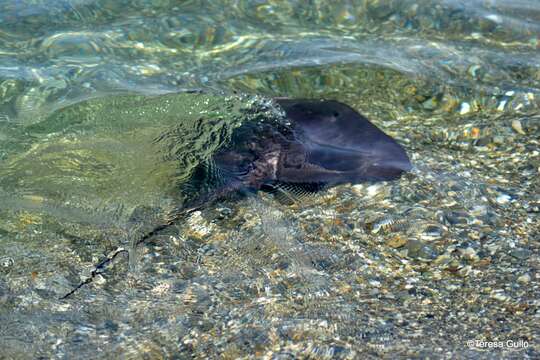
448	253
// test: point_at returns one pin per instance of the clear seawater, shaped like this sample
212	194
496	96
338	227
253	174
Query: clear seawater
412	268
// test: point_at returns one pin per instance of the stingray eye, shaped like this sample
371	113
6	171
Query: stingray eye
336	114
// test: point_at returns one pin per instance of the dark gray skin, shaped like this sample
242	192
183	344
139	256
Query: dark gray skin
338	145
327	144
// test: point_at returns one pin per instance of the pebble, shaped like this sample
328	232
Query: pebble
502	105
495	18
520	253
524	279
430	104
198	225
396	241
443	259
516	125
358	189
469	254
417	249
6	263
473	70
465	108
479	210
99	279
503	199
161	289
373	190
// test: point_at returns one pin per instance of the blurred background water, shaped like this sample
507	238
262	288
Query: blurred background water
456	82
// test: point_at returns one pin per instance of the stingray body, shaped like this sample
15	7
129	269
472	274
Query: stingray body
321	144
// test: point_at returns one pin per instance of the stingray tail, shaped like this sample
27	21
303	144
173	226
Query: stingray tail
174	217
101	267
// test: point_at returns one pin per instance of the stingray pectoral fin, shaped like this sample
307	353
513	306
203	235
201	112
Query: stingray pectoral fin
388	168
339	138
310	172
385	161
332	123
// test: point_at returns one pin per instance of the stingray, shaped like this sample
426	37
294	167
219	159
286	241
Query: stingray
322	144
319	144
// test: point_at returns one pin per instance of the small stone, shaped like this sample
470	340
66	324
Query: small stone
479	210
474	235
359	189
199	227
483	262
449	104
443	259
516	125
465	271
161	289
419	250
499	295
6	263
469	254
454	266
437	275
492	248
465	108
373	190
524	279
503	199
520	253
396	241
498	139
473	70
430	104
345	288
99	279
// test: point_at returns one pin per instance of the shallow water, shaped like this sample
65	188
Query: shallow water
447	254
